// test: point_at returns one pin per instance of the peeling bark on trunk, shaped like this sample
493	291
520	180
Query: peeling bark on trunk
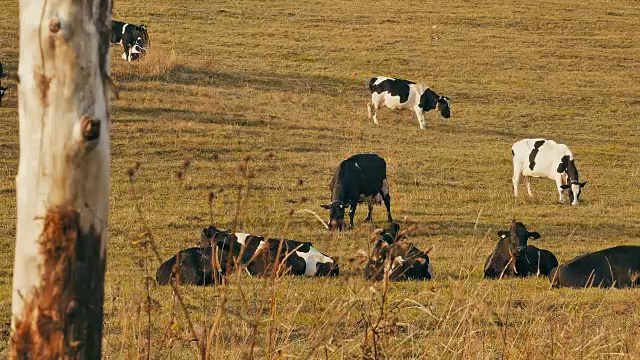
63	179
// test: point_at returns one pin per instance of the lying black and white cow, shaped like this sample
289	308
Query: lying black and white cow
360	178
403	94
2	88
259	256
513	257
617	267
133	38
542	158
403	260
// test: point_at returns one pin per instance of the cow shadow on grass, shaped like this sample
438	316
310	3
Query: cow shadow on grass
128	114
298	83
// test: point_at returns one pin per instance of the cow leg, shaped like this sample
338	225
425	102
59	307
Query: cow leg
370	110
370	213
517	173
387	204
561	191
420	116
375	103
352	214
527	183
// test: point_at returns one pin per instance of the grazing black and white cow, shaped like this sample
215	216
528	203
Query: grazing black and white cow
2	88
360	178
133	38
403	259
617	267
403	94
513	257
542	158
259	255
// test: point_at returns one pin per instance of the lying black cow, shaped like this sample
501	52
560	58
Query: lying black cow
512	257
259	255
133	38
2	88
405	261
360	178
194	268
617	267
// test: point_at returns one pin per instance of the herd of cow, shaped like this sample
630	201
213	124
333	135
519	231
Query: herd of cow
362	178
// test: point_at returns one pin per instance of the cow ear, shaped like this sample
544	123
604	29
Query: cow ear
503	234
326	206
565	187
534	235
583	184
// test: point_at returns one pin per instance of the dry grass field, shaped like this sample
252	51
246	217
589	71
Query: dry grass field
281	87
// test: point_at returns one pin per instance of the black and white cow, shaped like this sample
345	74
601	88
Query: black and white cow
133	38
401	257
360	178
403	94
542	158
513	257
617	267
2	88
259	255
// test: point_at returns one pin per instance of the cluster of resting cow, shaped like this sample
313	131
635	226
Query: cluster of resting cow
362	178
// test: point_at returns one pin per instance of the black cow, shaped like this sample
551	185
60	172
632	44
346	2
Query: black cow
195	267
617	267
360	178
404	260
2	88
513	257
404	94
259	255
133	38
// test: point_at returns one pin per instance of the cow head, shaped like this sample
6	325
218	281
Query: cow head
518	237
387	237
443	107
137	49
2	90
327	269
575	190
211	235
336	214
403	259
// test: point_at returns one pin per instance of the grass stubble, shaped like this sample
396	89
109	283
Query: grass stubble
241	111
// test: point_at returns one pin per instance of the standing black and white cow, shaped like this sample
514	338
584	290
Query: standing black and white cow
403	259
360	178
403	94
513	257
617	267
259	256
133	38
2	88
542	158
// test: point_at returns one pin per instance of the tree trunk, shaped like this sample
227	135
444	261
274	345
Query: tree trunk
63	179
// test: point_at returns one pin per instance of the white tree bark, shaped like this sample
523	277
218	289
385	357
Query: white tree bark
63	179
